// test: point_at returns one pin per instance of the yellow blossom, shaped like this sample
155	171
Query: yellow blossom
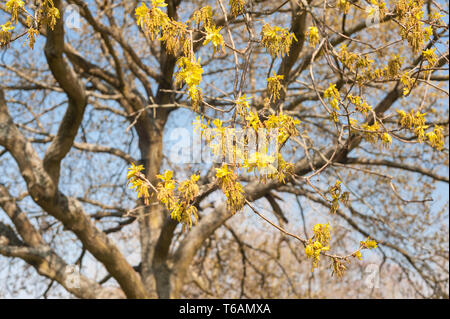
167	179
313	34
428	33
222	171
52	15
313	250
369	243
215	37
276	40
31	37
141	188
134	170
141	14
322	233
158	3
236	6
190	71
274	86
253	120
333	96
5	33
436	138
204	15
358	255
430	56
386	139
309	250
14	6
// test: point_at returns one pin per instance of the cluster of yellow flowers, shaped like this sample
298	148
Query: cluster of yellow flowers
285	124
49	13
284	169
165	189
190	72
368	243
232	189
430	56
52	16
394	66
218	137
313	250
253	161
322	233
338	268
280	126
274	86
372	134
46	13
415	121
32	34
408	83
152	20
276	40
261	162
237	6
180	207
367	73
354	61
410	16
215	38
177	37
313	35
14	6
203	16
5	33
138	183
436	138
236	146
332	95
360	104
243	106
318	243
386	139
253	120
337	196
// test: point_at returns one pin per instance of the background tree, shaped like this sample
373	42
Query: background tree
357	91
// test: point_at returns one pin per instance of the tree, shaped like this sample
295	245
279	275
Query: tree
328	122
